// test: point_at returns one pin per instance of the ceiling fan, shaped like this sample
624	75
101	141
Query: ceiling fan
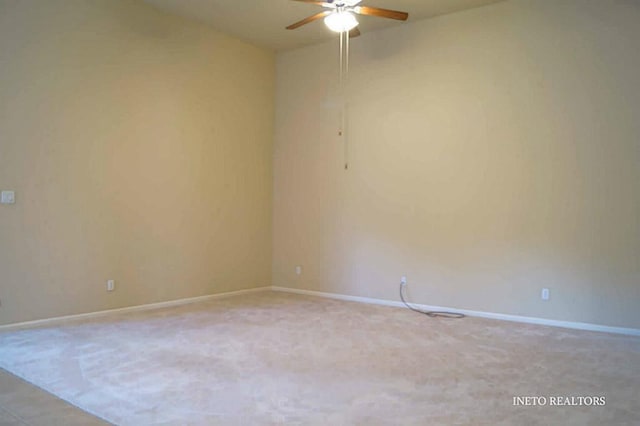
339	16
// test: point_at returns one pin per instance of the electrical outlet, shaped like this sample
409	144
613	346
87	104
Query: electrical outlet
298	270
8	197
544	295
111	285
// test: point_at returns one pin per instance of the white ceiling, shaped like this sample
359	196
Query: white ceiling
263	22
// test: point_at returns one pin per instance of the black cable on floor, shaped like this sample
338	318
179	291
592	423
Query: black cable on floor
432	314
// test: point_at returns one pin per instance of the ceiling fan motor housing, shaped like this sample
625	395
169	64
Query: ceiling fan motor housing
339	17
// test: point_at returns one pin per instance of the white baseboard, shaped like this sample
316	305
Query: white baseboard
480	314
170	303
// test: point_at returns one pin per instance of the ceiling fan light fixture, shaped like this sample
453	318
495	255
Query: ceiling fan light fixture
341	21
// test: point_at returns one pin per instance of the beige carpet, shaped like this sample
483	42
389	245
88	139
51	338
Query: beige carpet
274	358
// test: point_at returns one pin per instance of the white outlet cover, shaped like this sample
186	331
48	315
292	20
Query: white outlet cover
8	197
544	295
111	285
298	270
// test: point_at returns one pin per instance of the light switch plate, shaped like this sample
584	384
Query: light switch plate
8	197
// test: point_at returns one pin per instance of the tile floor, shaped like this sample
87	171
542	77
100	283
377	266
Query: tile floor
24	404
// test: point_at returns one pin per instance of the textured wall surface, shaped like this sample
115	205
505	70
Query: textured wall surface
493	152
140	147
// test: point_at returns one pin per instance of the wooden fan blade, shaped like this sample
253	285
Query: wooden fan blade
382	13
309	19
354	32
328	3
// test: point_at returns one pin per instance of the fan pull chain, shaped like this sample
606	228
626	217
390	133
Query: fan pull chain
345	102
341	60
344	79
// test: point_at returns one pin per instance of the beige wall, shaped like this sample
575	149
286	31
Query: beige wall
139	146
493	152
